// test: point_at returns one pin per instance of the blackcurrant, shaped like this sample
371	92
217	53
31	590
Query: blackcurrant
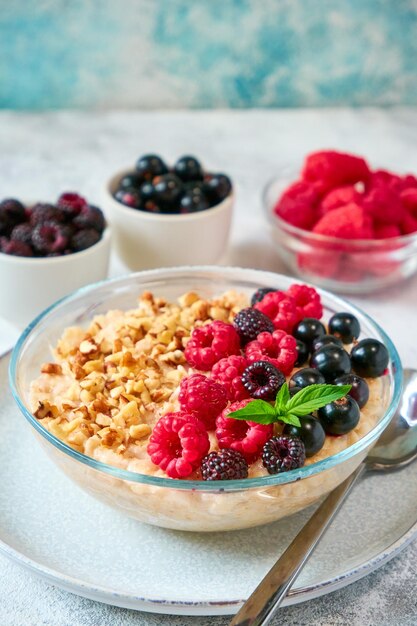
151	165
303	353
325	340
331	361
131	180
360	389
187	168
147	191
308	330
217	187
311	433
168	192
345	326
369	358
193	202
305	377
339	417
130	197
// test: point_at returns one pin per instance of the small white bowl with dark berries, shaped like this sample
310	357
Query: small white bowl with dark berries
164	216
47	250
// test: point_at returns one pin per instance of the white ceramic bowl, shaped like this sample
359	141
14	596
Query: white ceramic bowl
148	240
29	285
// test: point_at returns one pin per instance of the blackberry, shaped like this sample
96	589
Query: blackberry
224	464
12	212
281	454
17	248
22	232
250	322
50	237
84	239
262	380
90	217
259	294
71	203
43	212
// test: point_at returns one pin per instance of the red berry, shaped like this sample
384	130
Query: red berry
297	205
202	397
384	205
16	248
334	169
278	348
307	300
248	438
339	197
229	372
280	308
409	224
178	443
347	222
71	203
384	231
409	200
210	343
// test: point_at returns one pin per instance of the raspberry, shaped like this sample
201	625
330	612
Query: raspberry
16	248
409	199
384	205
12	212
178	443
307	300
280	308
409	224
84	239
281	454
260	294
348	222
277	348
324	263
297	205
224	465
248	438
90	217
384	231
334	169
71	203
339	197
250	322
49	237
210	343
22	232
43	212
386	179
229	372
262	380
202	397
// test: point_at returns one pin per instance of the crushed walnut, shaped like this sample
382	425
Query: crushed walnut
112	381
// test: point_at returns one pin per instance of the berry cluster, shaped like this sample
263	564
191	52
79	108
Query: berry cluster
249	360
185	188
48	230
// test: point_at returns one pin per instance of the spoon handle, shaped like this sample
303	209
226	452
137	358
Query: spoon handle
260	607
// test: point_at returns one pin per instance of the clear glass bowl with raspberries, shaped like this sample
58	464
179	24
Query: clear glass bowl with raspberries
342	224
206	398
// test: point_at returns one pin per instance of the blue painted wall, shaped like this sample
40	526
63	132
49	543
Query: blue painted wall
207	53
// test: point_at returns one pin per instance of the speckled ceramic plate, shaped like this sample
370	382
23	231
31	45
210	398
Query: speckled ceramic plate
51	527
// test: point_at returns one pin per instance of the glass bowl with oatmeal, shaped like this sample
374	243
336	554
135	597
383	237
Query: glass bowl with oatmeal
128	386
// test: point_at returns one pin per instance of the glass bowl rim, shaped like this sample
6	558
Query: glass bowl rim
200	485
356	245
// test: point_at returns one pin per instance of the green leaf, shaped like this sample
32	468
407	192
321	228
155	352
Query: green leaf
256	411
290	419
314	397
283	396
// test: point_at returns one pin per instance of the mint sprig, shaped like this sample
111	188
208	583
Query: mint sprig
287	409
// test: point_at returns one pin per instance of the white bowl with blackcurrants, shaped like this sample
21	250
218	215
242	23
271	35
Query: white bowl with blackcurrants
47	250
163	216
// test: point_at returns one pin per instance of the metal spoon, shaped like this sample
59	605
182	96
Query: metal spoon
396	448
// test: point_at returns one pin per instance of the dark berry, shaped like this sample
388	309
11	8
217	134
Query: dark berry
308	330
224	464
369	358
129	197
260	294
90	217
325	340
360	389
187	168
50	237
250	322
84	239
217	187
305	377
345	326
12	212
151	207
262	380
71	203
16	248
22	232
147	191
331	361
303	353
294	390
339	417
43	212
311	433
195	186
281	454
168	192
131	180
193	202
151	165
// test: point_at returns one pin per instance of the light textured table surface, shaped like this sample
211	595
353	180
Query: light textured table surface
42	155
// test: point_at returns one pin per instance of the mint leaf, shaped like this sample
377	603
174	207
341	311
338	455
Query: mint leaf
283	396
256	411
314	397
290	419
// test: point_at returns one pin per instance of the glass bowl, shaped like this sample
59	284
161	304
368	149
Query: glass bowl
186	504
347	266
